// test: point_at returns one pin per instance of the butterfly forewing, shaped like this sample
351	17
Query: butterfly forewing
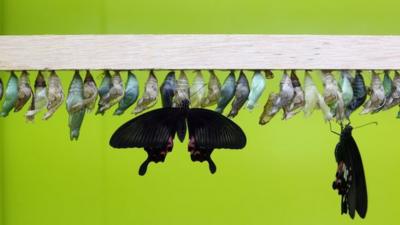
213	130
361	186
154	131
151	129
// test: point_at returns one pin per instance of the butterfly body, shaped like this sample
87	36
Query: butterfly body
155	131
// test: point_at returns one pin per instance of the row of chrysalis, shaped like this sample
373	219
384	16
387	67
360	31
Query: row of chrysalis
338	100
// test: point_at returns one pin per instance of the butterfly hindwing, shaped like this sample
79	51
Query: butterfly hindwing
154	131
209	130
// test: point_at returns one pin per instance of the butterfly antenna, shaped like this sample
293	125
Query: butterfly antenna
367	124
330	127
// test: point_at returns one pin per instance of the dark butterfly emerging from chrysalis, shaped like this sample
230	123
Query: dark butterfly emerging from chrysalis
350	178
155	131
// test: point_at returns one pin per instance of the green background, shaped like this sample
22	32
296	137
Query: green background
283	176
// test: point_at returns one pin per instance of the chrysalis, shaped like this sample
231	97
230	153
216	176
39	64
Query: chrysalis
359	94
270	108
24	91
90	92
11	95
345	86
104	92
198	90
131	94
286	93
39	100
214	91
114	95
76	114
394	98
168	89
377	97
241	94
298	100
332	95
227	92
149	98
258	84
313	98
182	90
55	95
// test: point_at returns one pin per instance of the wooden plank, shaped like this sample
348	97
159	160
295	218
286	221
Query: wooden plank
65	52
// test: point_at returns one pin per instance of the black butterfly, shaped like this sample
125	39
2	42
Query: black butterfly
350	178
155	131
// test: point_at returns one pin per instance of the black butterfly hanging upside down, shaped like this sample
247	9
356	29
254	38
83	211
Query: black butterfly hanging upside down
155	131
350	178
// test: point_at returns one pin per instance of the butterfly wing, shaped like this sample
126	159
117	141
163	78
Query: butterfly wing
350	177
154	131
209	130
361	196
343	182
